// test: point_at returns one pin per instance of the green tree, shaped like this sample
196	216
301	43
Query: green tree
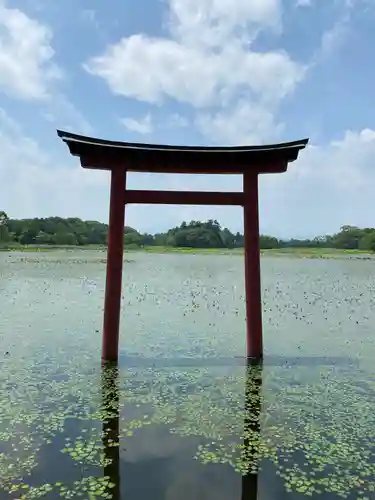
28	236
267	242
367	242
194	234
132	238
348	238
4	231
160	239
65	238
147	239
228	238
44	238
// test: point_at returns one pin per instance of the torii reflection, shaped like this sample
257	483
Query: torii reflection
111	429
253	408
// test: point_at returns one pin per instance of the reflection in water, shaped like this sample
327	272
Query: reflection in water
318	414
111	429
253	407
203	412
192	433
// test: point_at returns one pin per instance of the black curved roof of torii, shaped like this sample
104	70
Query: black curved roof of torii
147	157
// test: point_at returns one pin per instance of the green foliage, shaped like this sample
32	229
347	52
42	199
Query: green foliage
267	242
132	238
300	422
314	422
3	218
195	234
57	231
367	242
4	232
349	237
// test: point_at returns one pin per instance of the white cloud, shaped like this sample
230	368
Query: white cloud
210	23
363	4
177	120
346	164
64	115
172	70
246	123
303	3
147	123
210	63
34	184
28	70
149	70
143	125
26	66
333	38
207	62
328	186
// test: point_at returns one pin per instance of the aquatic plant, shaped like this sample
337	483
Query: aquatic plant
312	420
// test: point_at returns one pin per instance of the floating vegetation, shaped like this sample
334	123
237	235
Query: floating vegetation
65	423
297	419
318	435
91	488
35	260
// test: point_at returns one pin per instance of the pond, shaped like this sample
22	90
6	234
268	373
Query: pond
183	416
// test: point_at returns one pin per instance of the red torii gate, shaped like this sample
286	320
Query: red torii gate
123	157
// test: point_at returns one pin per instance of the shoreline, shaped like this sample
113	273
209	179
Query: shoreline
317	253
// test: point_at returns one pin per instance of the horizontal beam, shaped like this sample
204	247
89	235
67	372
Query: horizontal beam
165	167
184	197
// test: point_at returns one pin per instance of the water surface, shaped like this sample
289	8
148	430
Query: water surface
183	416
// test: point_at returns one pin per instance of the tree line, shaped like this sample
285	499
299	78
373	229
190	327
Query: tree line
195	234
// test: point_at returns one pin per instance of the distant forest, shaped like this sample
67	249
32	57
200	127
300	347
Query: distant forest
194	234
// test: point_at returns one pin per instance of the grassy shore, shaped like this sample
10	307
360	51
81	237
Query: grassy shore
318	253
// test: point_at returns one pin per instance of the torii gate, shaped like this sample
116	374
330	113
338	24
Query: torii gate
123	157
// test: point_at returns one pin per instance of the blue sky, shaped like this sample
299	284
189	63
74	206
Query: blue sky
191	72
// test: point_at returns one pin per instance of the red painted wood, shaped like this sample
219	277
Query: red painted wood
97	162
246	161
112	302
252	268
184	197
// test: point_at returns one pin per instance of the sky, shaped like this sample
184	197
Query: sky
191	72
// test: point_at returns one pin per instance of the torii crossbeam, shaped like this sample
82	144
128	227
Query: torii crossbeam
123	157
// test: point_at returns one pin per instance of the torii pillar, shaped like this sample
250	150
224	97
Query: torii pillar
122	157
113	286
253	293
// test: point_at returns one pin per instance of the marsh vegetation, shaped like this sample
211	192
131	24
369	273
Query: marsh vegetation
183	416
